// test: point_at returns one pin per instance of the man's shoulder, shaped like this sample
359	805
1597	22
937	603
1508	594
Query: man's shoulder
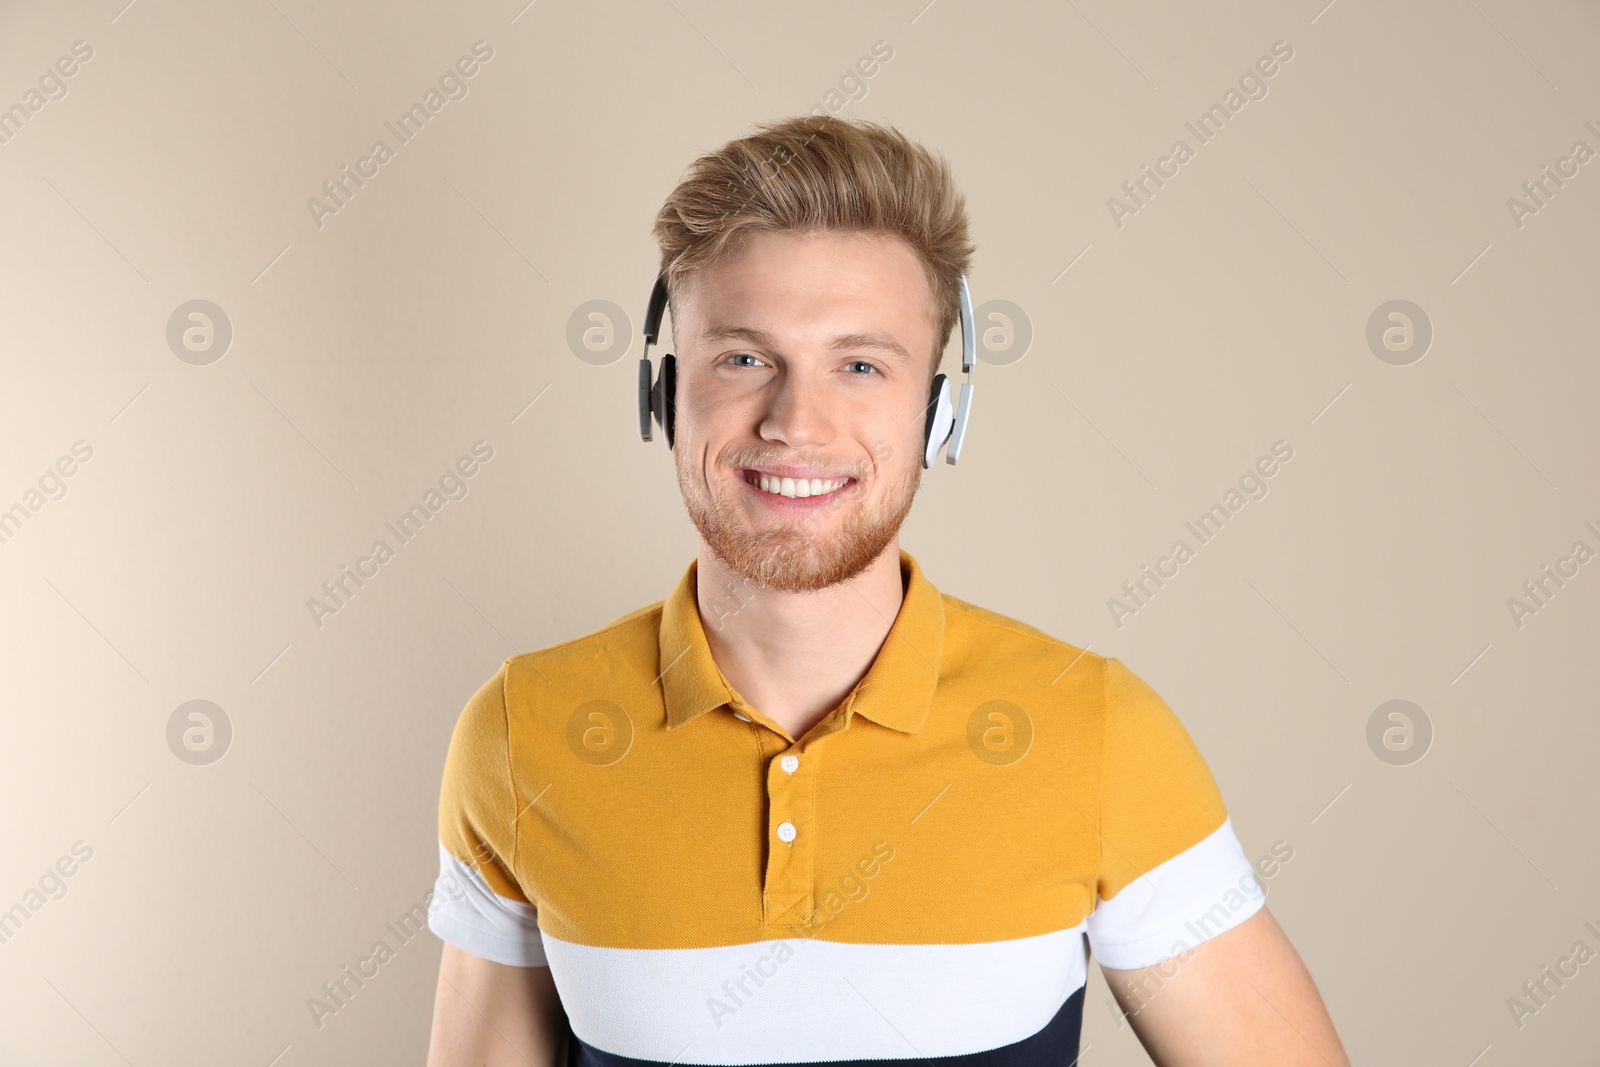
987	632
626	640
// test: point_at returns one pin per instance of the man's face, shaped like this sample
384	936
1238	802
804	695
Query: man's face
786	359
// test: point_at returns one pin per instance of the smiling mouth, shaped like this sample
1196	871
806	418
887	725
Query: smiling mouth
795	488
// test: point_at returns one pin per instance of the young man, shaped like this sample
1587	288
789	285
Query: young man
806	808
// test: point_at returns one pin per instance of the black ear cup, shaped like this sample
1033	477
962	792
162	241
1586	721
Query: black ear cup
933	409
936	427
669	393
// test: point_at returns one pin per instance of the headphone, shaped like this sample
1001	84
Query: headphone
658	399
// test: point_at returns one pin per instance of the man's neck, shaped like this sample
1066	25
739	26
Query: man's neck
795	656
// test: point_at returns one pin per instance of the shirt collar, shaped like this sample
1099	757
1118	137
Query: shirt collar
898	688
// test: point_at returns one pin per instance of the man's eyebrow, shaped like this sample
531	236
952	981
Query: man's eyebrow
884	342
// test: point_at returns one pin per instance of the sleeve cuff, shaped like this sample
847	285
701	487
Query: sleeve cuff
465	912
1201	892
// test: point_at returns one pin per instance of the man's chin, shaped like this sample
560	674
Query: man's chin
806	572
799	555
798	567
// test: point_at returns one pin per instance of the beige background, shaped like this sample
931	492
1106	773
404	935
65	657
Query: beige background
432	311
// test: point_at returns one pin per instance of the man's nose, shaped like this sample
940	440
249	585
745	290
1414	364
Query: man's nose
800	412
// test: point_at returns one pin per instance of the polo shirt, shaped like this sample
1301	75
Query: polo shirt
921	875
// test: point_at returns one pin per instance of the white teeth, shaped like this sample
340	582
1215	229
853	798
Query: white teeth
799	488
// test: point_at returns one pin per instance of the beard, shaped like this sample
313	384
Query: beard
805	552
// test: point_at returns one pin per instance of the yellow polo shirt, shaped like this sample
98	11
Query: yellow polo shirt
922	874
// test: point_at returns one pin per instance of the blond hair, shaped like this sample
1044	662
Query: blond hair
821	173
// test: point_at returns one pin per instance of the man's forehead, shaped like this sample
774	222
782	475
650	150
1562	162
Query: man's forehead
709	311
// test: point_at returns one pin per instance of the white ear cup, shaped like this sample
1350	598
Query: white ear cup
943	420
959	434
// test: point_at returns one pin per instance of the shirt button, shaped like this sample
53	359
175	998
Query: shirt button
789	763
786	832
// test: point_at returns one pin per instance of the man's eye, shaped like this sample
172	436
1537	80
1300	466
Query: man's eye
742	355
863	363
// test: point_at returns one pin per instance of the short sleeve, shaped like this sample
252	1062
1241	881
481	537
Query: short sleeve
1172	871
477	903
